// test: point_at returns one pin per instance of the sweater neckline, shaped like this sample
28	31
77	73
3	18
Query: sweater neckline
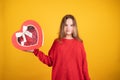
68	39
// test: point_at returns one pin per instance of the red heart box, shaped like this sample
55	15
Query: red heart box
28	37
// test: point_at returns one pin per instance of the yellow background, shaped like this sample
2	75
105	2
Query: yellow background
98	24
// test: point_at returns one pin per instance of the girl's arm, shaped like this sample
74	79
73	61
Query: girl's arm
85	65
46	59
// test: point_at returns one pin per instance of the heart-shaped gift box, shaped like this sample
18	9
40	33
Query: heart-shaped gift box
29	37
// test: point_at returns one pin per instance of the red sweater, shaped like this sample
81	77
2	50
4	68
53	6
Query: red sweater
67	58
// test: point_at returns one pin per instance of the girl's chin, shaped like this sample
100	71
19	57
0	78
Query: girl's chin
68	33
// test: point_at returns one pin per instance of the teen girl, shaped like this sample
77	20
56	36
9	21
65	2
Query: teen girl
67	55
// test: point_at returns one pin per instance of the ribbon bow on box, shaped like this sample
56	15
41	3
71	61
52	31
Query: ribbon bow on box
25	32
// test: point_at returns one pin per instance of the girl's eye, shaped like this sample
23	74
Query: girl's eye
71	25
65	24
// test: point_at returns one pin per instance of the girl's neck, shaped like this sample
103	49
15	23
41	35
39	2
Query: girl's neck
68	37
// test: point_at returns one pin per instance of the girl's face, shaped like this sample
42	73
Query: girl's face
68	28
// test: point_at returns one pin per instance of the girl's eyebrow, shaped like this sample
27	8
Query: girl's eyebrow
65	24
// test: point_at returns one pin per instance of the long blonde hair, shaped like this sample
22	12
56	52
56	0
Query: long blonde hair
75	31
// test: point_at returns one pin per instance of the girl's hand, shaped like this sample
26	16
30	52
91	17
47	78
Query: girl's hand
30	51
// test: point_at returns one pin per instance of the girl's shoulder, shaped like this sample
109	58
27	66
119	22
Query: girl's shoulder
79	43
56	41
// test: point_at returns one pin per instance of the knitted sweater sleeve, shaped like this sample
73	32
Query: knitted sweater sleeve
46	59
84	63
